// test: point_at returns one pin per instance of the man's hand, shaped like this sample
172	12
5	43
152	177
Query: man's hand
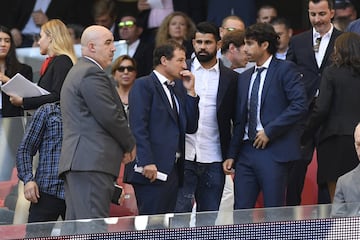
150	172
130	156
39	18
261	140
143	5
228	166
188	82
31	191
16	34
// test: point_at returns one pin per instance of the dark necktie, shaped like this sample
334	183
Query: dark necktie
172	94
253	105
317	44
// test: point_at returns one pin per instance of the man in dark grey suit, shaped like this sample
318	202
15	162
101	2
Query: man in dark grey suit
96	133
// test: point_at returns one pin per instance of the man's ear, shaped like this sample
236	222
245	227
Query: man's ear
163	60
232	47
91	46
265	45
218	44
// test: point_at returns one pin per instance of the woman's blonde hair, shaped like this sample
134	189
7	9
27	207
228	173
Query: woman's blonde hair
162	35
61	42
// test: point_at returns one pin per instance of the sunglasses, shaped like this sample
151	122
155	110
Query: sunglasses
229	28
129	68
128	24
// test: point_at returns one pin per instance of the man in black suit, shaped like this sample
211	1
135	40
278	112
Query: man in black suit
28	16
206	149
311	51
130	30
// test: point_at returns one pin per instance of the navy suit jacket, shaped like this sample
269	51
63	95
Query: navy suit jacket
225	104
155	127
301	52
283	104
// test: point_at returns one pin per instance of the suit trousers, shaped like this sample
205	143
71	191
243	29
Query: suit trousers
158	197
87	195
256	170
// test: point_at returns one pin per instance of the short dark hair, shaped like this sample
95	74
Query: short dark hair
281	21
263	32
235	37
330	3
166	50
208	27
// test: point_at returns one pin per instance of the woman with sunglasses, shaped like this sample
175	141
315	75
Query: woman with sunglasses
124	73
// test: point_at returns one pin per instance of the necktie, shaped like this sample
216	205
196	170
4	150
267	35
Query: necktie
172	94
254	104
317	44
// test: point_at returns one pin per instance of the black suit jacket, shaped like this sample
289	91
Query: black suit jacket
52	81
225	104
336	107
301	52
9	110
61	9
143	58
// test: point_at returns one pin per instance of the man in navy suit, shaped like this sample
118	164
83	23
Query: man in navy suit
271	100
311	51
162	109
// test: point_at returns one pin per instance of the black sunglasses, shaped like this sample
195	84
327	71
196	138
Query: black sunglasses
129	68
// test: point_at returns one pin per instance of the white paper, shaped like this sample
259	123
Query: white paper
155	3
20	86
160	175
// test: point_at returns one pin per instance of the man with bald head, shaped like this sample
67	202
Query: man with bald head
96	134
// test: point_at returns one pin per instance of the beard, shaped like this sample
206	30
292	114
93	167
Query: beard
204	57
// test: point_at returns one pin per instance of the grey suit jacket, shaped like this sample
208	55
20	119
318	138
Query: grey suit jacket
347	194
96	132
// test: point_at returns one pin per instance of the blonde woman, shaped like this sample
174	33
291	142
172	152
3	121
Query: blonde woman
179	27
55	42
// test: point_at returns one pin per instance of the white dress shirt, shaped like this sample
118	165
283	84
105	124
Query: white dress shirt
323	44
205	143
132	48
259	126
30	27
162	80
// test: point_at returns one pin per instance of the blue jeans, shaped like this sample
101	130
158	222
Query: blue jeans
204	183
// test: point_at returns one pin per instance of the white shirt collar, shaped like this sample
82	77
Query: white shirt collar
162	78
197	65
326	35
266	63
93	61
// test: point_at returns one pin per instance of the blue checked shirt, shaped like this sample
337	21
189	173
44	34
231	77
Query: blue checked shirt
43	134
